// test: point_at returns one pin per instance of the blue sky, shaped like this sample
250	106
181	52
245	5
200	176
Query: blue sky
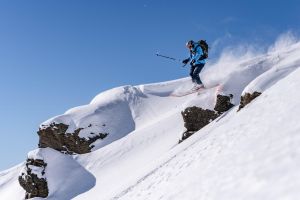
57	54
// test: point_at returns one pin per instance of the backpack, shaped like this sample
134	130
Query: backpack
204	47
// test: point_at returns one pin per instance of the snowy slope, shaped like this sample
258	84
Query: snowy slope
244	154
9	186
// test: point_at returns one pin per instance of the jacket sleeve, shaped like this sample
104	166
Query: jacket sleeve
198	54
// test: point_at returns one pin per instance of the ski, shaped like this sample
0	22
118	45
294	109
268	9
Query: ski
187	93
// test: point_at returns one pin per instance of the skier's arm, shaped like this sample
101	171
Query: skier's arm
185	61
199	54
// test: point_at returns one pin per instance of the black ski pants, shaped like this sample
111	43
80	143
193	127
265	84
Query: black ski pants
195	71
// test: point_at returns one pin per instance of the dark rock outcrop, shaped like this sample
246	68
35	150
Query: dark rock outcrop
247	98
196	118
35	185
55	137
223	103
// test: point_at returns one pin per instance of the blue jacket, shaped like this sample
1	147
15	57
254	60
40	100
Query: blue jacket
196	53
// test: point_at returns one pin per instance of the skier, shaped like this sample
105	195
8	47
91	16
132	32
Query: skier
197	63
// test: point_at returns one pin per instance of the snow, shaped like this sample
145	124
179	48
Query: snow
66	178
255	156
9	185
37	171
35	155
250	154
285	65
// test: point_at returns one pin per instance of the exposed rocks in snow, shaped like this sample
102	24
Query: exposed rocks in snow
196	118
55	136
247	98
33	179
223	103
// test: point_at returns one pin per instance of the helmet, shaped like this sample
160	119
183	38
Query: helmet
189	44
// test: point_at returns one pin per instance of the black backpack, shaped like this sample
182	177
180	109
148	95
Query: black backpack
204	47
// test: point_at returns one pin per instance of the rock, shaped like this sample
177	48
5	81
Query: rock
223	103
196	118
247	98
55	136
33	179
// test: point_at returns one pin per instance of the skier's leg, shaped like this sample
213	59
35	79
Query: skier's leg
192	73
196	73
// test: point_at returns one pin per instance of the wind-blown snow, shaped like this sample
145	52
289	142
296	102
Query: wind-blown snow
250	154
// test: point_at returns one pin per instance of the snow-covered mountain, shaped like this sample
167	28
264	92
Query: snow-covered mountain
124	144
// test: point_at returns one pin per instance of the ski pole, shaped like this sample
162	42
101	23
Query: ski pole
184	65
175	59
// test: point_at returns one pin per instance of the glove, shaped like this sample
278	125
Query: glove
185	61
192	62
